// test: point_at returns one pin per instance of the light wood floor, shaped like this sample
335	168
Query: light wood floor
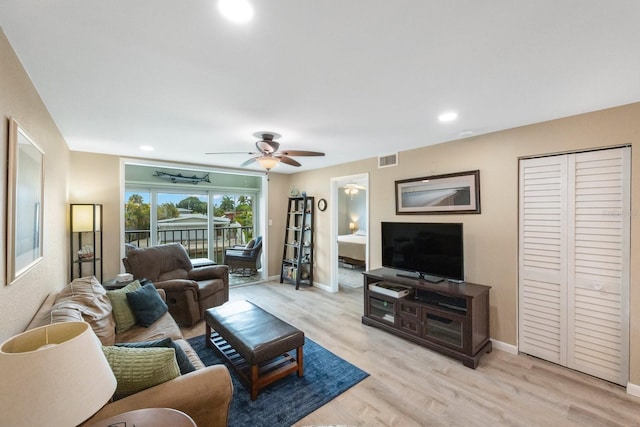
412	386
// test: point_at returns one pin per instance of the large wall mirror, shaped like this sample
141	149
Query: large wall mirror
24	203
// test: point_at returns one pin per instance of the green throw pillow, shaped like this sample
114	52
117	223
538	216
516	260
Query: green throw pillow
147	304
122	314
184	363
137	369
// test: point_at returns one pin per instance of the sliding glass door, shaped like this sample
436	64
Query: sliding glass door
205	223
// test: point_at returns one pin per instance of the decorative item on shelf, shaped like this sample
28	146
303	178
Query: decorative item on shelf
86	252
46	371
392	290
294	191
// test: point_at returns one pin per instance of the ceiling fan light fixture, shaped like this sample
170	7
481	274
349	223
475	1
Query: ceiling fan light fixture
350	191
268	162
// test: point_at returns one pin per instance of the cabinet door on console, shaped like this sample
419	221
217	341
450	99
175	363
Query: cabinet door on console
448	330
382	309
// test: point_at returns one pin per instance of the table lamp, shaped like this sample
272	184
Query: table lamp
55	375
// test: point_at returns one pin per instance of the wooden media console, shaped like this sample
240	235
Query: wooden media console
451	318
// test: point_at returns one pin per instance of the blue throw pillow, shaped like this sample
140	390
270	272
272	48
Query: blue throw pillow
184	363
146	304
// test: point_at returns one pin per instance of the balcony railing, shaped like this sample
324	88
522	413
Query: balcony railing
195	240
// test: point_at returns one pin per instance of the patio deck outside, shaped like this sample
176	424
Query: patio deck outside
196	242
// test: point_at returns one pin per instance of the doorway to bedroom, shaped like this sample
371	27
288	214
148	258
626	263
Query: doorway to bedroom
350	230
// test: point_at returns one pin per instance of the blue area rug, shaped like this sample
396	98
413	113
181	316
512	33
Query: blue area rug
290	399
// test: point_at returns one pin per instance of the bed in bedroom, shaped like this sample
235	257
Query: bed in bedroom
352	248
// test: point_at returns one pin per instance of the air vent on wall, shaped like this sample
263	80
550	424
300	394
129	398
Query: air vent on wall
388	160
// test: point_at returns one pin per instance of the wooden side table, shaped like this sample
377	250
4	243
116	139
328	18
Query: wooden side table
201	262
112	284
149	417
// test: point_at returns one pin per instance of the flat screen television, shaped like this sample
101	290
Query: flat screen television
431	251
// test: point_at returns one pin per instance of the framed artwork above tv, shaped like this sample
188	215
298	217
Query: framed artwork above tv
454	193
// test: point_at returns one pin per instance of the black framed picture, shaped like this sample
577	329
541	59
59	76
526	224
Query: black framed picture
453	193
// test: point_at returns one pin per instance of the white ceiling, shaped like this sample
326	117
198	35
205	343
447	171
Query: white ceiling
353	78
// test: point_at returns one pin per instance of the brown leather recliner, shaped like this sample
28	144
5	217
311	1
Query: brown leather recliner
190	291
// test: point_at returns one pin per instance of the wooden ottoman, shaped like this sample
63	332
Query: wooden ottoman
254	343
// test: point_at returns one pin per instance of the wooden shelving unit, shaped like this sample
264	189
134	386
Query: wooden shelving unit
297	255
86	240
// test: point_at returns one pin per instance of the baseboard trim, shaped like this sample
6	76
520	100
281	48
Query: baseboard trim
633	389
315	284
322	286
503	346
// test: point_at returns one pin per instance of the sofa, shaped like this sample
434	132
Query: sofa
190	291
204	394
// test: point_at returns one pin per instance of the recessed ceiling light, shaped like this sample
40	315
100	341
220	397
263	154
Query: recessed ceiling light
449	116
236	10
146	148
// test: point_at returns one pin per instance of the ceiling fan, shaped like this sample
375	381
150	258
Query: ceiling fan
351	189
268	155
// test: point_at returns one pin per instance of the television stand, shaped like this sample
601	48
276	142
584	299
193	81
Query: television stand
422	276
450	318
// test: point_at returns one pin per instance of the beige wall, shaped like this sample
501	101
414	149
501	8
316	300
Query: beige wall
278	194
20	100
491	238
95	178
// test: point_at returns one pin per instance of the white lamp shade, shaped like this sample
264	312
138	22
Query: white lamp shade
268	162
85	218
55	375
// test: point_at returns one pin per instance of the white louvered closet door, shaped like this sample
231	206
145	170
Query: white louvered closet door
574	261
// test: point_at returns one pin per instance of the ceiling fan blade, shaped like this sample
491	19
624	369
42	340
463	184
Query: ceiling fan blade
301	153
236	152
289	161
248	162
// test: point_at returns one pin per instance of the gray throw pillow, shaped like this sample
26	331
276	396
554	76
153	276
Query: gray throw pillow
147	304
